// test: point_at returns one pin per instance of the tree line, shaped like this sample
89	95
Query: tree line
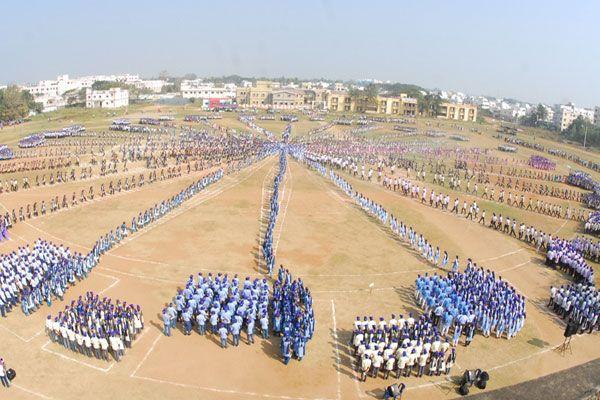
16	104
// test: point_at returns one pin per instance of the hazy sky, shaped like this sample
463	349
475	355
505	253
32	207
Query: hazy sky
531	50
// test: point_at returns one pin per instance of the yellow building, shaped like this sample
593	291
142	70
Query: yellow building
390	105
259	95
460	112
340	101
287	98
397	105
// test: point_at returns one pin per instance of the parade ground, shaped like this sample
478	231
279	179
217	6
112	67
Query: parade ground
352	264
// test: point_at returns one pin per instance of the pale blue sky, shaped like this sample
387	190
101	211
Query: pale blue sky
532	50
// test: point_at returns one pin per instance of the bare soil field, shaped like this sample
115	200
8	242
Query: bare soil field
352	264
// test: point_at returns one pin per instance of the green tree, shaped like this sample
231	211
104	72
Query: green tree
583	130
536	118
429	104
16	103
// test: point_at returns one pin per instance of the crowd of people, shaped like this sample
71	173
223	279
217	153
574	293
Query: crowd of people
225	307
5	153
592	225
293	315
33	140
565	255
541	162
32	276
470	210
402	346
267	245
470	301
577	303
96	327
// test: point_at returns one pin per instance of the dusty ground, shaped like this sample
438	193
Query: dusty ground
321	237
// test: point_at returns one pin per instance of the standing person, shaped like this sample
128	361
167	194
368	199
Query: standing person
3	377
167	322
365	366
223	333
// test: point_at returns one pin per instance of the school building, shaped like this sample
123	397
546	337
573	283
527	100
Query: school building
459	112
391	105
111	98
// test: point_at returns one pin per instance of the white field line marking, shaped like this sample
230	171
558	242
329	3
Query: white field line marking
255	166
150	350
99	198
138	275
514	267
38	333
116	281
40	395
287	203
562	226
494	368
370	274
425	385
227	391
104	370
192	205
502	255
426	262
356	379
337	351
250	273
14	333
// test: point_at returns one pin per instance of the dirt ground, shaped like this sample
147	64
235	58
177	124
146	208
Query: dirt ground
321	237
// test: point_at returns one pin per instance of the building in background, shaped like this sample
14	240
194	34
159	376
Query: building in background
287	98
316	98
390	105
459	112
111	98
597	116
397	105
565	114
153	85
259	95
198	89
340	101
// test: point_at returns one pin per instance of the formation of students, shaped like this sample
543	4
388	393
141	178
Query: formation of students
475	299
541	162
226	307
564	255
293	315
96	327
152	214
577	303
5	152
592	225
401	345
32	276
219	303
267	245
585	181
529	234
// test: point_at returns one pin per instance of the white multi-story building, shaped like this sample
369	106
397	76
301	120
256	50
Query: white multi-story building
155	85
197	89
597	116
111	98
565	114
